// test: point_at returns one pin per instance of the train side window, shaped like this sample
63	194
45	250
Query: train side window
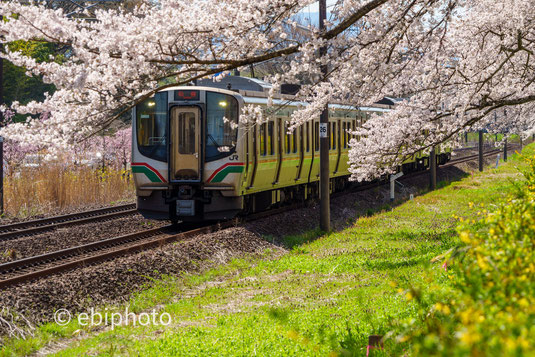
288	138
308	136
334	136
316	136
263	139
301	138
344	127
349	128
280	136
270	143
294	140
342	136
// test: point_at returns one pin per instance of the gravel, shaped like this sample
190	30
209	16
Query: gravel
72	236
114	281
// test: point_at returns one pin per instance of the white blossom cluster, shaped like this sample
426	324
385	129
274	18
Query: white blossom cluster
459	64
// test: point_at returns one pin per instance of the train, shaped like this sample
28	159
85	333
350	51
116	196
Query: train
193	161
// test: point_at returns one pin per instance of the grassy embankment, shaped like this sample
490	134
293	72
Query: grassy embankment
325	297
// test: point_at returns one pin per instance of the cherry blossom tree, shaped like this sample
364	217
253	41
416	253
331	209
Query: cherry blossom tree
120	148
460	64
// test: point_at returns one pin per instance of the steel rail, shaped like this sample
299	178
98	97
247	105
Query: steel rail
27	228
44	265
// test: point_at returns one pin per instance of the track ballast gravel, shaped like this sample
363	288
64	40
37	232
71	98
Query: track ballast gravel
72	236
114	281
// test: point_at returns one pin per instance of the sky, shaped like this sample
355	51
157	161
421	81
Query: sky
311	12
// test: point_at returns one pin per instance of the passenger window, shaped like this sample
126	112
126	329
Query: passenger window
288	138
263	139
308	136
270	144
334	136
316	136
345	134
301	138
294	140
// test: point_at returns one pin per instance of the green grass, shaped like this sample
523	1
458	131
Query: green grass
326	296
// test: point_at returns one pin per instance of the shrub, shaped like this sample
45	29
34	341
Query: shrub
491	309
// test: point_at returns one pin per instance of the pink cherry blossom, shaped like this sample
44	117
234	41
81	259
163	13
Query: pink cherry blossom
460	65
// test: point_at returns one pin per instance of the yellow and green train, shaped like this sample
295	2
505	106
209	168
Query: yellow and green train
194	161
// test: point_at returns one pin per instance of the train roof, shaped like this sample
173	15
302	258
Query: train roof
256	91
289	102
236	83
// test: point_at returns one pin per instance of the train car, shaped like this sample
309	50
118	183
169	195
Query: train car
193	160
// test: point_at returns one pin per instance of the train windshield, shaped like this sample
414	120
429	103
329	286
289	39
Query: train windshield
151	127
221	125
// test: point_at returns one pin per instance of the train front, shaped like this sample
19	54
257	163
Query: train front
185	158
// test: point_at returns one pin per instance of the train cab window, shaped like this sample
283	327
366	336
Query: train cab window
270	138
221	125
316	136
151	127
263	139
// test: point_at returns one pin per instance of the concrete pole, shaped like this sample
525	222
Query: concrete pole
480	150
433	169
325	209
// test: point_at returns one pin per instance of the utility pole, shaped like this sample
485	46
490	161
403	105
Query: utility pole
505	150
325	209
480	150
433	169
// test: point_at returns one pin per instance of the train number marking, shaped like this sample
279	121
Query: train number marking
323	130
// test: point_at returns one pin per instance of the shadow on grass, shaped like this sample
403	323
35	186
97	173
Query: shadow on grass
420	184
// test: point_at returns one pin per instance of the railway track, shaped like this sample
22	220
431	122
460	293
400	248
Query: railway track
475	157
28	228
31	268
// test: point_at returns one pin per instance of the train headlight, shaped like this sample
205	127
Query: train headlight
223	104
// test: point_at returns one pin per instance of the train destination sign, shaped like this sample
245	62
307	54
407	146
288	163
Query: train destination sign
187	95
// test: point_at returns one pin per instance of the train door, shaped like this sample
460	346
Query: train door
300	137
280	149
315	148
185	143
339	144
